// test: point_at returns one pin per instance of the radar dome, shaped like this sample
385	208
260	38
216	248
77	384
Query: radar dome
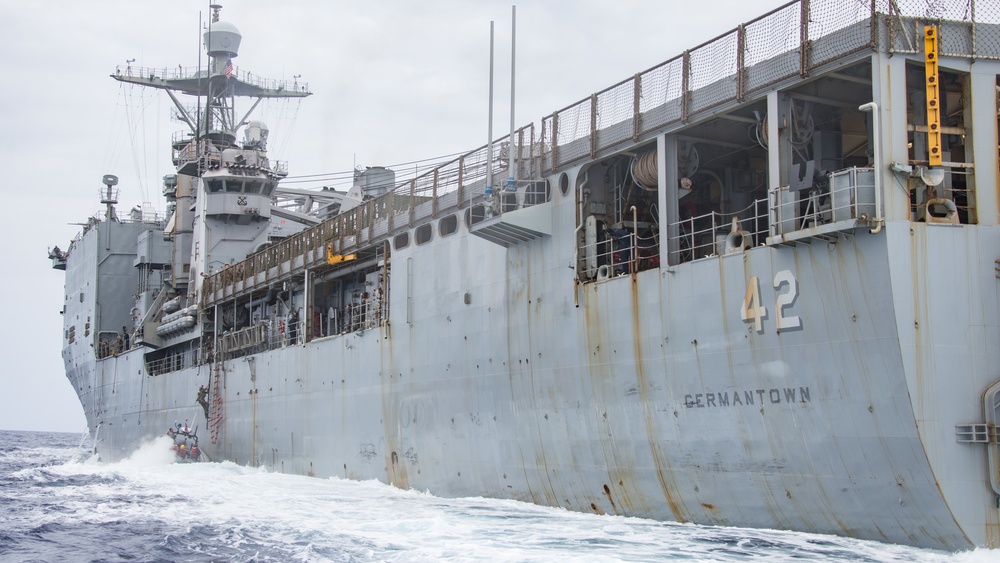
222	38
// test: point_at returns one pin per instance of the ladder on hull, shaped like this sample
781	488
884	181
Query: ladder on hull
217	408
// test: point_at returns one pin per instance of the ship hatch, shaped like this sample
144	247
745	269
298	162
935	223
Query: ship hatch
986	433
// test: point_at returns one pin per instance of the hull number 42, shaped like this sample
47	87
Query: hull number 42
786	289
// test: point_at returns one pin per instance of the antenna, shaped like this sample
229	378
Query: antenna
110	196
513	40
489	133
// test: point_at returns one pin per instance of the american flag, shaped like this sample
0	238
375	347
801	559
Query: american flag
229	67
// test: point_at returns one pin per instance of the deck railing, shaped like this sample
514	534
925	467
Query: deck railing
849	198
788	42
715	233
280	332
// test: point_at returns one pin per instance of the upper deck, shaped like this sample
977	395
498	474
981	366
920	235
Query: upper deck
789	45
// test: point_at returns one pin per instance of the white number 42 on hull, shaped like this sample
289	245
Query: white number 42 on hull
753	310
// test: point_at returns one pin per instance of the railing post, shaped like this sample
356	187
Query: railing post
520	161
741	73
390	203
804	38
371	218
972	29
555	140
434	193
413	189
711	237
341	232
461	188
890	24
685	85
633	265
690	221
307	322
636	98
593	126
536	165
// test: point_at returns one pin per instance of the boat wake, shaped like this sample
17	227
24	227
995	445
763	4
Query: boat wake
58	502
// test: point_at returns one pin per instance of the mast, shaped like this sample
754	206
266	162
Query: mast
223	187
511	176
489	132
218	84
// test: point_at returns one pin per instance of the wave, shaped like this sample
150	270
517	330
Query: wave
147	507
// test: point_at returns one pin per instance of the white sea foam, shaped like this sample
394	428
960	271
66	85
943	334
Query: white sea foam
152	453
376	521
149	507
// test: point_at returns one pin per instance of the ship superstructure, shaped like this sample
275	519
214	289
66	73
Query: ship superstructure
761	297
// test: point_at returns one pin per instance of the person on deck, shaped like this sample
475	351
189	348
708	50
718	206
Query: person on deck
293	327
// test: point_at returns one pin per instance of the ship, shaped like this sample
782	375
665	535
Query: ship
755	285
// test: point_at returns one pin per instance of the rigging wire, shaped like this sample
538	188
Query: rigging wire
347	176
137	128
114	132
135	115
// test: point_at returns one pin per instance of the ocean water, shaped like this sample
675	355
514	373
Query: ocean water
58	503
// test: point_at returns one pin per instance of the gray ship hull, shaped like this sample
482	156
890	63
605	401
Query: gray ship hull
797	329
650	399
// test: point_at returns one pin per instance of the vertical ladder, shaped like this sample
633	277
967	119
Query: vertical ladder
217	407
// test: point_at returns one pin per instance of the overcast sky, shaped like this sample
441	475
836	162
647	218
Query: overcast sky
393	81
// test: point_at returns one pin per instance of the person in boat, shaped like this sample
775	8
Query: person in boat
125	338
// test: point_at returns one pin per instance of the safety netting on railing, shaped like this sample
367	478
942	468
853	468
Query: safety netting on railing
774	39
966	28
572	129
792	40
713	72
834	30
612	113
661	87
